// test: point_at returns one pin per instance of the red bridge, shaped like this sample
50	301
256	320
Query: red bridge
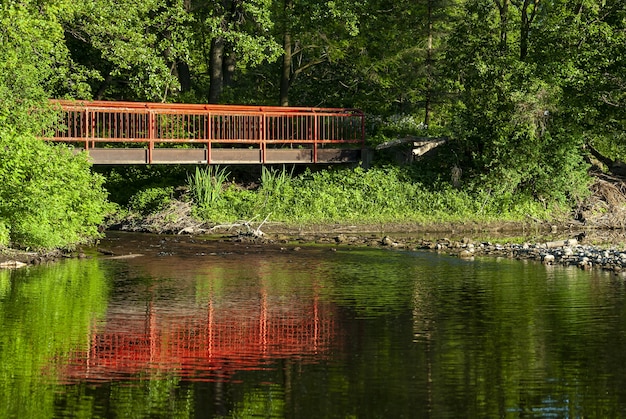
161	133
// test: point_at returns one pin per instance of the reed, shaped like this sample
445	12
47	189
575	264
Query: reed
206	185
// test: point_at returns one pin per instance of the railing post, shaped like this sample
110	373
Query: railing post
91	127
316	133
263	134
209	136
151	134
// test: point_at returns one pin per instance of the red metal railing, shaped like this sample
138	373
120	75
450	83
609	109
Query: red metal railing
255	133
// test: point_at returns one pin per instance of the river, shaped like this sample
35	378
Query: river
186	327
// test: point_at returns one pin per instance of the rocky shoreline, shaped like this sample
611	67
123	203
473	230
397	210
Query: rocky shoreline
563	252
578	250
567	252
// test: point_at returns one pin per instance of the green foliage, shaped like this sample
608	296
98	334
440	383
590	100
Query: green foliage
151	200
513	135
5	235
35	63
206	185
48	197
130	44
378	195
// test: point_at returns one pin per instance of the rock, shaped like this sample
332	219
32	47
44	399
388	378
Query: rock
555	244
387	241
465	254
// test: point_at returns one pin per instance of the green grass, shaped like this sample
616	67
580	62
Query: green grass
385	194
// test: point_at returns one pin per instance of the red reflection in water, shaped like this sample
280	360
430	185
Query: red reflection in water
205	342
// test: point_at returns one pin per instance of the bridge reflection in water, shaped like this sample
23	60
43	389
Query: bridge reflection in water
165	133
206	343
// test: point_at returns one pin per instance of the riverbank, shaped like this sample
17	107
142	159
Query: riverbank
568	242
567	245
15	258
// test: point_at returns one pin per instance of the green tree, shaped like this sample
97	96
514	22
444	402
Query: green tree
48	197
228	37
587	42
512	127
313	33
131	50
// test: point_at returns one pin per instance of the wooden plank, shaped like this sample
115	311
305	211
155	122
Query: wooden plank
288	156
118	155
179	156
219	156
338	155
235	156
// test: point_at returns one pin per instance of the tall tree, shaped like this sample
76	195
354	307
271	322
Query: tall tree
313	32
512	120
230	35
132	49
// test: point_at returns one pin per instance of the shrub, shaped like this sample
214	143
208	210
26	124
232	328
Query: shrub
5	238
49	198
151	200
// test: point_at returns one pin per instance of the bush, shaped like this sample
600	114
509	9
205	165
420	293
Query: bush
49	198
5	238
151	200
382	194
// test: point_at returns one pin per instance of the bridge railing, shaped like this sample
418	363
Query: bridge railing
190	133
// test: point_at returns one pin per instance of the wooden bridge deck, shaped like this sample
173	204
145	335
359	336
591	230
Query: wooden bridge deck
156	133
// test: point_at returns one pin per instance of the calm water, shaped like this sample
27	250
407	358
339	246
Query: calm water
211	329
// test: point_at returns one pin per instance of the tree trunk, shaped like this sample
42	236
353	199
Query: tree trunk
228	66
285	75
429	65
104	86
215	72
184	76
503	9
286	71
527	20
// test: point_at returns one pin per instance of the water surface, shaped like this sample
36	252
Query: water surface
195	328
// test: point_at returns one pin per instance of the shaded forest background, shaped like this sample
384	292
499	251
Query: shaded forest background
531	93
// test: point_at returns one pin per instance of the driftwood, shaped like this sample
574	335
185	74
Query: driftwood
250	231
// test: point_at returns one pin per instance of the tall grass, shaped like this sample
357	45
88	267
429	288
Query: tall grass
273	180
206	185
384	194
275	185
